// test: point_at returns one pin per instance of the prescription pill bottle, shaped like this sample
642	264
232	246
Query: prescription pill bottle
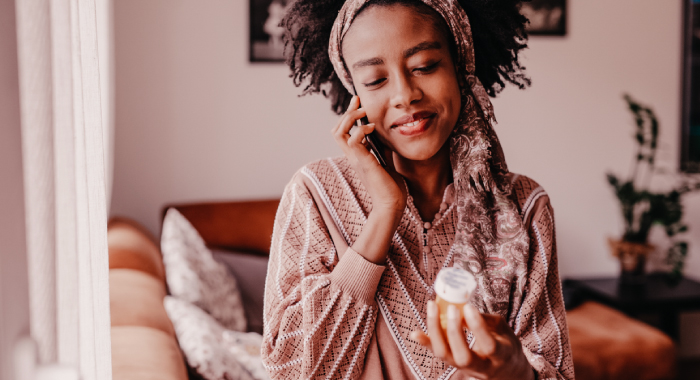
453	286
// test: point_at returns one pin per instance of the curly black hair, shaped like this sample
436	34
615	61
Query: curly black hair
498	31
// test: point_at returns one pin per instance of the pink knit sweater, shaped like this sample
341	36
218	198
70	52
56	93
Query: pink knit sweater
331	314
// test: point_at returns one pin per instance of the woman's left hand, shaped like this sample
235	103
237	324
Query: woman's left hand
496	353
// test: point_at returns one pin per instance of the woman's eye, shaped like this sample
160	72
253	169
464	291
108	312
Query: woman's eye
374	83
427	69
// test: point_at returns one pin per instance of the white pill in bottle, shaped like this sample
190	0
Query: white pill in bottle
453	286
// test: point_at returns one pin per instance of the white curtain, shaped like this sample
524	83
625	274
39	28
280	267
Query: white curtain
64	53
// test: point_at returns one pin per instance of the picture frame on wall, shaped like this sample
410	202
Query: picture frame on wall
547	17
690	136
266	43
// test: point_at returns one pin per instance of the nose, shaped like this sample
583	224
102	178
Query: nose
405	92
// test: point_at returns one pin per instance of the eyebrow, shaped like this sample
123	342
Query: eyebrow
427	45
367	62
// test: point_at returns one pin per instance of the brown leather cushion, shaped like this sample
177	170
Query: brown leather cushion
142	353
132	246
607	344
136	299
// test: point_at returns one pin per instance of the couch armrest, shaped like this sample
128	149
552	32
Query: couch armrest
240	226
144	346
131	246
142	353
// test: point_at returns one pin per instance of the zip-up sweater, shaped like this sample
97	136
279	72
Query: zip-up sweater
331	314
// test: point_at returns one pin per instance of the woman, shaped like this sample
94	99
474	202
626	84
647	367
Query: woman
357	246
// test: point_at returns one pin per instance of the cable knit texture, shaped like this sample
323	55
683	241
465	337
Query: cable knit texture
331	314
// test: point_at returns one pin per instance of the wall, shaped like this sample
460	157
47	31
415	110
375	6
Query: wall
196	121
14	294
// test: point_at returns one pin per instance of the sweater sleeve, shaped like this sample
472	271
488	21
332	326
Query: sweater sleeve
541	320
319	312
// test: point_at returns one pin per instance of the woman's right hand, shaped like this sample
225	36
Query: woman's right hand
385	186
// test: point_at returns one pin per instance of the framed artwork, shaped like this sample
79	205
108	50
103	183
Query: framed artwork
690	137
547	17
265	33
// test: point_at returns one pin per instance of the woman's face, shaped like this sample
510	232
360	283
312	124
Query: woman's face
403	72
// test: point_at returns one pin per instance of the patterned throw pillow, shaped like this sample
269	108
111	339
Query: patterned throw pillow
213	351
194	276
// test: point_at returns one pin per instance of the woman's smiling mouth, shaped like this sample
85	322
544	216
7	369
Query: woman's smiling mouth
412	125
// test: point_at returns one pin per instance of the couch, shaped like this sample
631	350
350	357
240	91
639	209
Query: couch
143	339
605	343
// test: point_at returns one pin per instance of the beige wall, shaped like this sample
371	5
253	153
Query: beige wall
14	294
196	121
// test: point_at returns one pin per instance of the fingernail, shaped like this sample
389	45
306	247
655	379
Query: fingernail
432	309
452	312
469	311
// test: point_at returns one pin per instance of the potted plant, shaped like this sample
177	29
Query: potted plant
642	208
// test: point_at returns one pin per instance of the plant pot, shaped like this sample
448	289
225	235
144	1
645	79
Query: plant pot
632	258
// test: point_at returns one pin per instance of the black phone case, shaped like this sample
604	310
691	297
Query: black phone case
373	142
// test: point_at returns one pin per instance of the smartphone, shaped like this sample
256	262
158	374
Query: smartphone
372	141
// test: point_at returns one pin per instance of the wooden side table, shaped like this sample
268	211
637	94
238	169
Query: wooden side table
655	302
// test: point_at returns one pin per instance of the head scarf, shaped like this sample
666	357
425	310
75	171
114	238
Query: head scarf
490	239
